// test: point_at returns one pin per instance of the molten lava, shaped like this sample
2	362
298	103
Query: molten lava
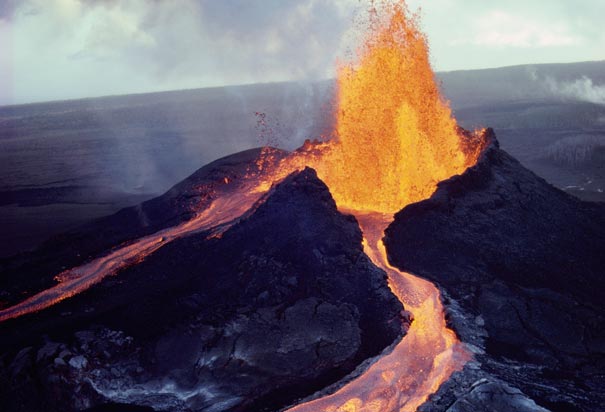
428	354
395	135
217	217
395	139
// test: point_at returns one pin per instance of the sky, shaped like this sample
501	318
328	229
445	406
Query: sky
63	49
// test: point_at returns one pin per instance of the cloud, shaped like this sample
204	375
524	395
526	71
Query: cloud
502	29
168	44
7	9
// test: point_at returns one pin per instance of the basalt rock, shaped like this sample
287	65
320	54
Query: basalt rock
521	266
282	304
493	396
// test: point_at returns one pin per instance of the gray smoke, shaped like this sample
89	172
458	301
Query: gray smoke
117	47
582	89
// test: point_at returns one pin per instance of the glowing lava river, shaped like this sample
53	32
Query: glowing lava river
425	357
394	140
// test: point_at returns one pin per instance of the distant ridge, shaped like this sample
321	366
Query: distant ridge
594	69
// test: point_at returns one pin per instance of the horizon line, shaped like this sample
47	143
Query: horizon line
110	96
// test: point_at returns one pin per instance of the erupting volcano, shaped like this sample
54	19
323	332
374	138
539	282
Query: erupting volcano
395	139
394	142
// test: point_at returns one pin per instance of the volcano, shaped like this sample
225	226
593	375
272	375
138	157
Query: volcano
283	305
404	264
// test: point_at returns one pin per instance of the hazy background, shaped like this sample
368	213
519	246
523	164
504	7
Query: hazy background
60	49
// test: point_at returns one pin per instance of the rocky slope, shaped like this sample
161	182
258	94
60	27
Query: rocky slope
522	266
282	304
26	274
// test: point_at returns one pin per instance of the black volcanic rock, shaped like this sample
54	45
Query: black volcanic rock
489	396
284	303
523	267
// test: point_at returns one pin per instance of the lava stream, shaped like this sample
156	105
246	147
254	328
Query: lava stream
426	357
219	215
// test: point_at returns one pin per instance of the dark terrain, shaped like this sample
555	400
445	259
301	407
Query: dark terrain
282	304
65	163
285	302
523	265
551	117
71	248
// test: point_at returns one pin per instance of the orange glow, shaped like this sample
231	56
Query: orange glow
419	364
394	131
396	137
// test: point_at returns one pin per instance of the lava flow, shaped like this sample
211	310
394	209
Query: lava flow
217	217
427	355
395	139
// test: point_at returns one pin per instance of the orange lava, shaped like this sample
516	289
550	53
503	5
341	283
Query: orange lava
219	215
395	135
427	355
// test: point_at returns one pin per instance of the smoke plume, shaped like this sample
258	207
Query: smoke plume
582	89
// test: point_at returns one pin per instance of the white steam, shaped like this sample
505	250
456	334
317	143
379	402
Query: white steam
582	89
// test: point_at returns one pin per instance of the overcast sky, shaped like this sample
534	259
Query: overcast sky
60	49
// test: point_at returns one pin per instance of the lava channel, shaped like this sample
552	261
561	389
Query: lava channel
426	356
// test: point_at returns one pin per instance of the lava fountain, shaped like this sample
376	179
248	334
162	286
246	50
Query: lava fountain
395	139
396	136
